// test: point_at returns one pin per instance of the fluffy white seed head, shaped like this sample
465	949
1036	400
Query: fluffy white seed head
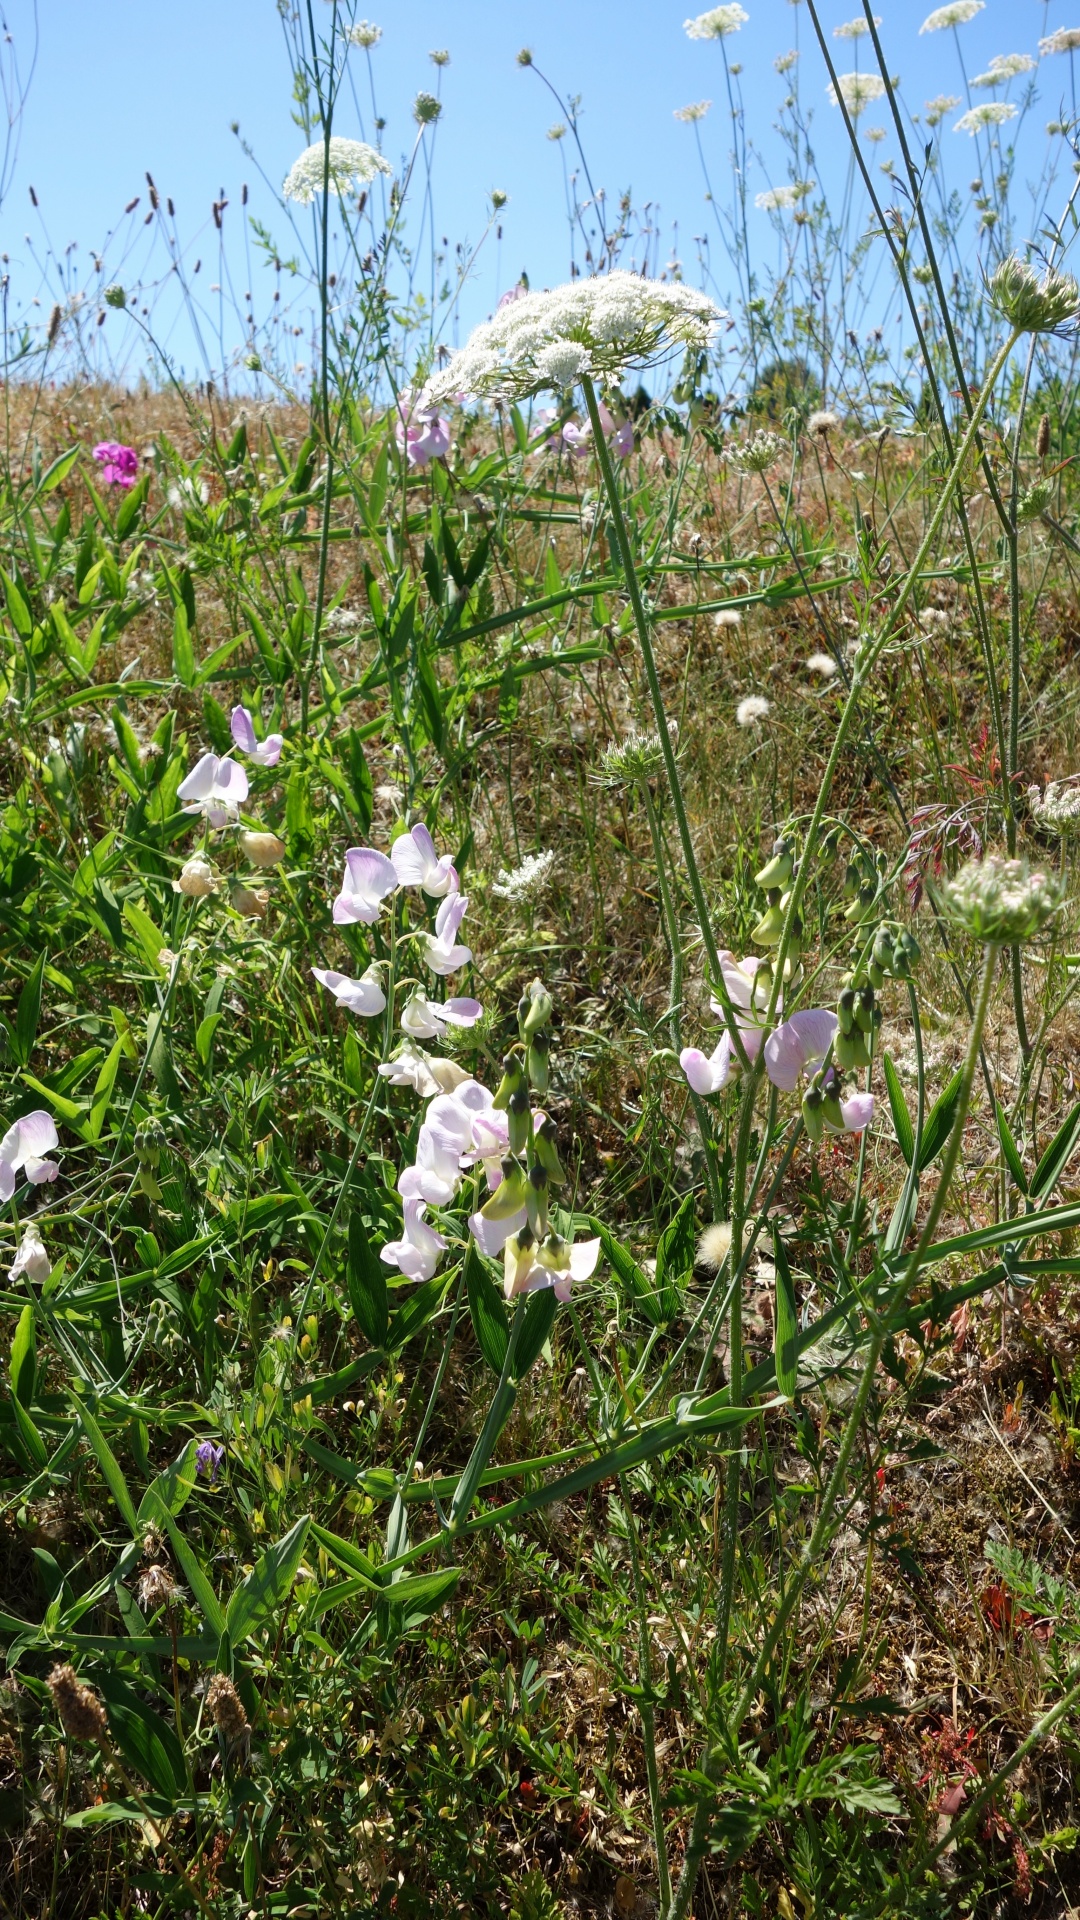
751	710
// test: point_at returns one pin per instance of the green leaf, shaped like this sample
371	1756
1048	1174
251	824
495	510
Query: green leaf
901	1119
421	1303
183	652
146	933
268	1584
939	1121
786	1336
28	1433
103	1091
488	1313
540	1310
172	1486
417	1596
633	1278
366	1280
29	1009
23	1370
1010	1149
159	1056
197	1580
1057	1156
109	1465
204	1036
146	1740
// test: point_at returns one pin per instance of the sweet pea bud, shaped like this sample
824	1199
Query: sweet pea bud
509	1196
539	1047
554	1254
513	1078
908	953
845	1009
517	1108
771	925
813	1117
850	1049
777	871
536	1199
875	974
147	1184
196	878
262	848
863	904
864	1009
538	1010
852	879
547	1152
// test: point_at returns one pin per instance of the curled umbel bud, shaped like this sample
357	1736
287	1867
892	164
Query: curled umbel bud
1001	901
1031	304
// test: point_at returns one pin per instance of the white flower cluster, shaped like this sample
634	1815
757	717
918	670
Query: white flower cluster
990	113
780	199
1057	807
526	881
854	29
760	452
715	24
856	90
956	14
365	34
1001	901
352	164
696	111
939	106
597	327
1062	40
1004	67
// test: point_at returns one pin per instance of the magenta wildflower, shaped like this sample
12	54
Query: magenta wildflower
119	464
422	432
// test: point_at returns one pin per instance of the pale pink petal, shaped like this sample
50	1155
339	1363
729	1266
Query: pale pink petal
40	1171
242	730
199	784
816	1029
857	1111
583	1257
268	753
37	1134
461	1012
230	783
491	1236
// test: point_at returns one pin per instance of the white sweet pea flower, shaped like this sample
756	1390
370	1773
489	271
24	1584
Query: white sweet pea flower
21	1151
491	1236
424	1019
368	878
748	983
265	753
411	1067
31	1259
364	996
215	788
441	951
417	864
417	1252
553	1263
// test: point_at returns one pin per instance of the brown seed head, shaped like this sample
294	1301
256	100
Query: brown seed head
1042	438
226	1710
155	1588
82	1715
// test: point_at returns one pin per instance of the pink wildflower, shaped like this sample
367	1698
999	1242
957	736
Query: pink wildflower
119	464
422	432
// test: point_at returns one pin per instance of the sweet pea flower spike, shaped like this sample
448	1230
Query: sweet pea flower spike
22	1149
417	864
265	753
215	788
364	996
369	877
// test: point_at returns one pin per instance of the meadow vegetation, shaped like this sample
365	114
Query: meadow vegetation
585	1421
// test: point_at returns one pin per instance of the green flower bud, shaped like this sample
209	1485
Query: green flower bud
509	1196
863	904
813	1116
520	1119
849	1049
771	925
513	1078
875	974
539	1047
845	1009
864	1009
538	1010
547	1152
536	1199
779	870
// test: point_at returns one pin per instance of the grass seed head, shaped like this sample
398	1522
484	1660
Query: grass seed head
82	1715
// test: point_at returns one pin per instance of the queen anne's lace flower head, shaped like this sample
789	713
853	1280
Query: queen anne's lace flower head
1001	901
696	111
780	199
527	880
1062	40
1030	303
856	90
716	23
854	29
365	34
352	164
939	106
1004	67
597	327
1057	807
990	113
956	14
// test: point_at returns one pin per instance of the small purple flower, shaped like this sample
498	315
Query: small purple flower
119	464
208	1459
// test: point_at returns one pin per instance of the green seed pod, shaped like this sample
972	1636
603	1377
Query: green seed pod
875	974
849	1049
539	1047
864	1009
771	925
513	1078
538	1011
845	1009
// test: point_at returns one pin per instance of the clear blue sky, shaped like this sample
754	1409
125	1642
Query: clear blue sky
127	85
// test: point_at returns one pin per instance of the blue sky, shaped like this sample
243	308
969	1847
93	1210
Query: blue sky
123	86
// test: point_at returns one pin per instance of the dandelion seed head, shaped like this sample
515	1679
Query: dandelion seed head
727	617
856	90
956	14
823	422
752	709
352	164
526	881
715	1244
822	663
989	113
716	23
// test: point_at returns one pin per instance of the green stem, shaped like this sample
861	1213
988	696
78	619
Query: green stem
648	1718
641	621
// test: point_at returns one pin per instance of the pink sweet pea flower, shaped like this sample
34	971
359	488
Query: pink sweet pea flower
265	753
555	1264
119	464
424	1019
442	953
416	1254
748	983
215	788
22	1148
368	878
421	432
364	996
417	864
507	299
491	1236
799	1046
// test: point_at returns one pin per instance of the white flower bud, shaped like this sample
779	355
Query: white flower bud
263	849
196	878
